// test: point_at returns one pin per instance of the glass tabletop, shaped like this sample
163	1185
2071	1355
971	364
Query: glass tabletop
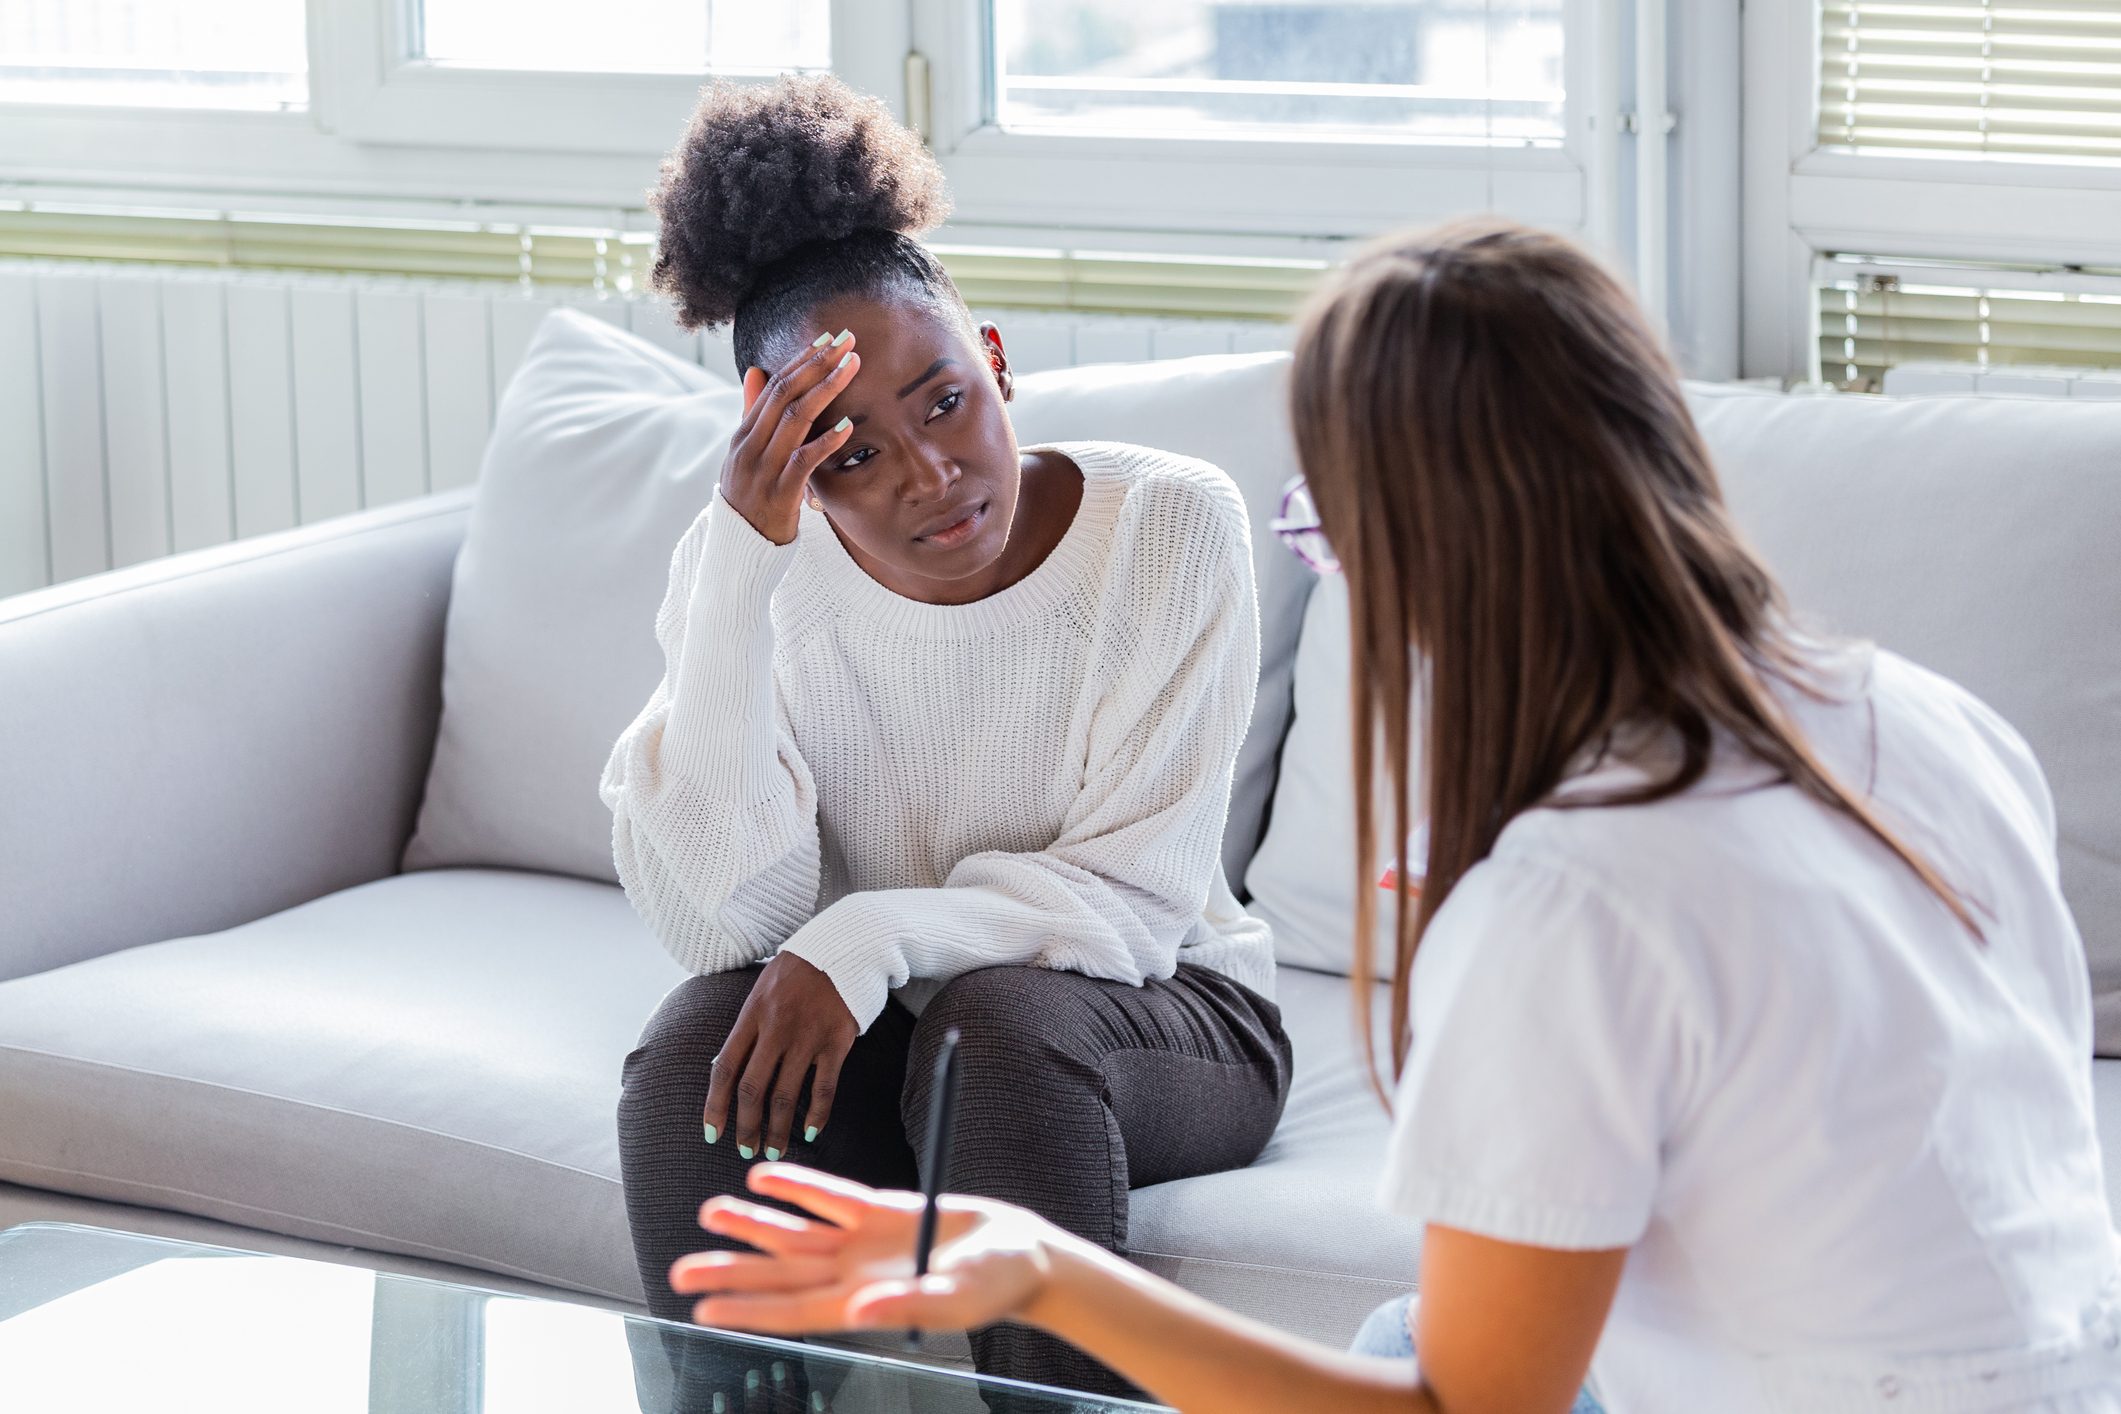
94	1321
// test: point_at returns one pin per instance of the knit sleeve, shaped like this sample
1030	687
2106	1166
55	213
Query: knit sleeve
713	811
1127	879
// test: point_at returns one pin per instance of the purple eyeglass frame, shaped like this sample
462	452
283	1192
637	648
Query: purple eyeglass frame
1297	525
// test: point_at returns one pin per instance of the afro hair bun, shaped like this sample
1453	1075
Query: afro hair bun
766	169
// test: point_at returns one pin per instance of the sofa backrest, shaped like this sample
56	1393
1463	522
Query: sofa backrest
1976	536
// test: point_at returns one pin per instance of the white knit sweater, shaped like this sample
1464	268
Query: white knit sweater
897	791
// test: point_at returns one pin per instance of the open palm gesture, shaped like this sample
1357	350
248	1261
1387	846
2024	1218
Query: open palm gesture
854	1269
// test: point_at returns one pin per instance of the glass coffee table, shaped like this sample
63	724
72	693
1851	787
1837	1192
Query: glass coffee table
96	1322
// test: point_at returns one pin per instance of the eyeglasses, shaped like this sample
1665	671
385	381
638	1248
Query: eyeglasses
1298	527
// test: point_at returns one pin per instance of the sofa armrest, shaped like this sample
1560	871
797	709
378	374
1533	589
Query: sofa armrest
201	740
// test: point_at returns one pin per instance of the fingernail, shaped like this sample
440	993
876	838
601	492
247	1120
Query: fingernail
712	1133
743	1151
843	424
773	1153
780	1373
817	1401
751	1379
845	359
845	335
721	1404
819	341
810	1135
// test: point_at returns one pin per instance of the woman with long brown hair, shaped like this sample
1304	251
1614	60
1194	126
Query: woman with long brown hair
1742	1036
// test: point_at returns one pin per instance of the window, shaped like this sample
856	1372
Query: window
1446	70
1931	179
155	53
1972	77
629	36
1103	135
1259	127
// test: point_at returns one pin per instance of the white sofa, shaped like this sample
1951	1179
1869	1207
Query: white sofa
229	1010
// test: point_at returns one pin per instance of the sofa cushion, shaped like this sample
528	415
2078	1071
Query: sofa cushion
1976	536
604	448
1972	535
603	452
1301	880
429	1065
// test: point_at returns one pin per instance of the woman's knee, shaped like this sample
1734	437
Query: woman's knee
1020	1029
681	1039
1388	1331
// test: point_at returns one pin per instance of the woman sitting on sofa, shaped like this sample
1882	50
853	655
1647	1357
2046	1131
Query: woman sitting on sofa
950	748
1747	1043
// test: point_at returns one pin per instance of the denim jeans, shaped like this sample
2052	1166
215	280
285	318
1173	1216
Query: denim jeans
1389	1331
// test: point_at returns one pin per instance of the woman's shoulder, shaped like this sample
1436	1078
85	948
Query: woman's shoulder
1162	497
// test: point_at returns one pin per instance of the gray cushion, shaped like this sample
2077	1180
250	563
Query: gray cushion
430	1064
604	449
1977	537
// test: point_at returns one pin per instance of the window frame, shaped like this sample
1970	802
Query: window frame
1803	200
1270	195
390	132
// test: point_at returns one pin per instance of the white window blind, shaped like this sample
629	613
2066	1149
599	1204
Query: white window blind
1871	320
1974	77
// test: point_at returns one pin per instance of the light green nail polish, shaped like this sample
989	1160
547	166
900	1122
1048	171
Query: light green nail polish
817	1402
721	1404
844	336
712	1133
820	341
810	1135
743	1151
773	1153
843	424
845	359
780	1373
751	1379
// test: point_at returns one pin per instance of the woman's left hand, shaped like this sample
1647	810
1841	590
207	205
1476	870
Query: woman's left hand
854	1270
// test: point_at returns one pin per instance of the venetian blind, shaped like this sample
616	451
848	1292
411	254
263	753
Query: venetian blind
2011	77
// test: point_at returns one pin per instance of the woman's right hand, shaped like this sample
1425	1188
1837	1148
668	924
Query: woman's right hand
852	1267
771	453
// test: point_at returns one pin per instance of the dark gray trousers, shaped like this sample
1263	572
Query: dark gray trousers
1070	1092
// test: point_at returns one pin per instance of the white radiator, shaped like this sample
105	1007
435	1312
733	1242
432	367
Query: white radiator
146	410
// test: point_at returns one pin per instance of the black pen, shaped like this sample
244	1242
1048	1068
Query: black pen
942	1114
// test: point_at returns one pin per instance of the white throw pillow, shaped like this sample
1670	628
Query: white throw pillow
605	449
1302	880
1973	535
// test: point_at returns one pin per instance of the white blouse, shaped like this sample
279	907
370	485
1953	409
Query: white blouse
1850	1148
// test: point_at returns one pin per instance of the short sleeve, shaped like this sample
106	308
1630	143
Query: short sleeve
1549	1054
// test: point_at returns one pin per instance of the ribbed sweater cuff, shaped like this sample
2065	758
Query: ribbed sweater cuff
842	943
722	714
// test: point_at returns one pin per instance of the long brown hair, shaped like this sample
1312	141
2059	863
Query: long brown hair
1535	543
